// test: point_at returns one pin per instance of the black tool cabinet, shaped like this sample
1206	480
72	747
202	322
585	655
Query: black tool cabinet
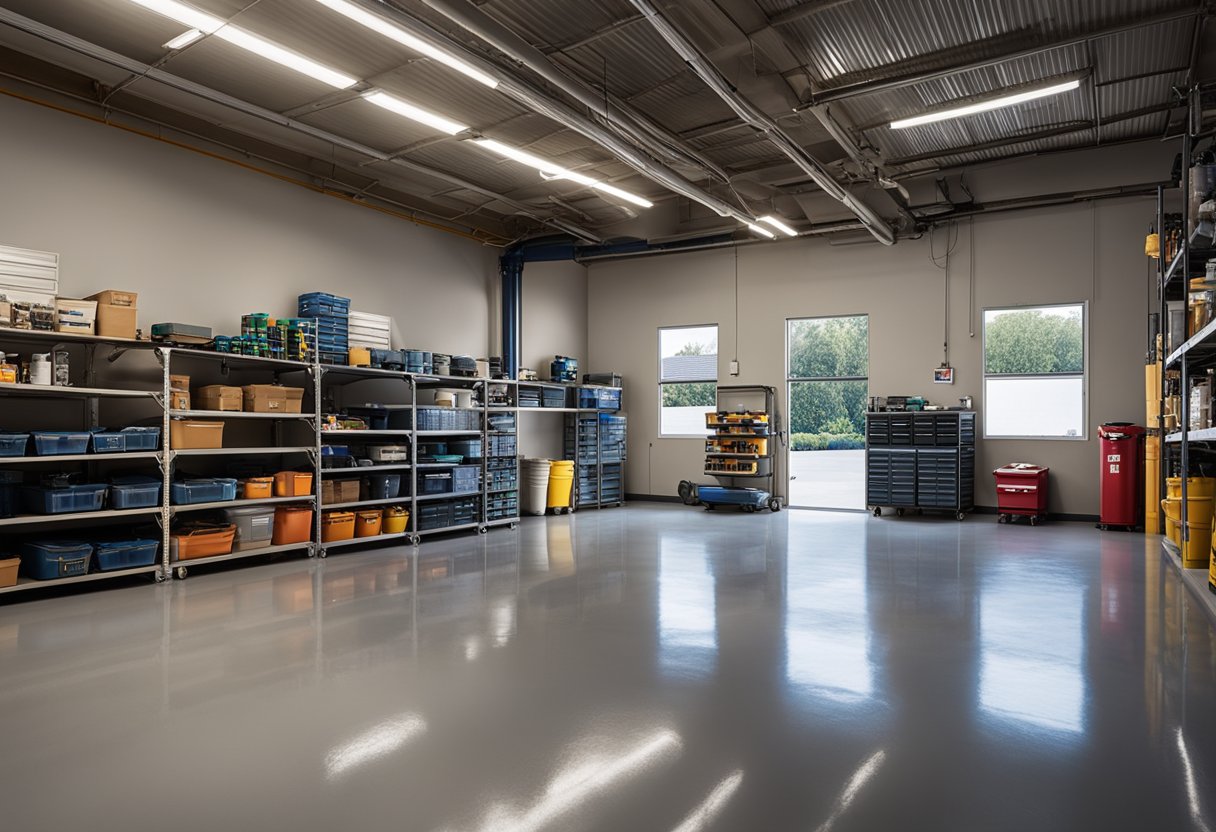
921	461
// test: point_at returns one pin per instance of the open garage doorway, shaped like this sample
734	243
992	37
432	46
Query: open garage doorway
827	369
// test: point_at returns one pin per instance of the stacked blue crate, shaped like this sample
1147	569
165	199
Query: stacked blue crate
332	315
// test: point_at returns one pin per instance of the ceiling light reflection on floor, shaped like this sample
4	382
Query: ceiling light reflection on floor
372	745
701	817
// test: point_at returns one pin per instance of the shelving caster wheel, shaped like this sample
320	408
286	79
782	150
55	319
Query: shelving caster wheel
1000	518
159	577
483	529
322	553
878	511
709	506
749	509
1034	521
899	512
774	504
512	526
180	573
1103	527
415	540
962	515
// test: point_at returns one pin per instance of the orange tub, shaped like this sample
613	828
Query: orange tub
396	520
367	523
292	524
257	488
292	484
337	525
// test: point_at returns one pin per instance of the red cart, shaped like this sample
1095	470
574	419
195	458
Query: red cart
1021	491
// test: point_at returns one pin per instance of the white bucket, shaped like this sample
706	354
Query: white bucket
535	485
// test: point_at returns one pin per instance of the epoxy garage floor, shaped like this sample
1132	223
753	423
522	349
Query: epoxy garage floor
648	668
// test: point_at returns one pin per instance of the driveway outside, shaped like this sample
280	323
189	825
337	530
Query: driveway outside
828	479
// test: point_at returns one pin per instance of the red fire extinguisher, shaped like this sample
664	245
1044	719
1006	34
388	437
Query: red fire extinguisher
1122	476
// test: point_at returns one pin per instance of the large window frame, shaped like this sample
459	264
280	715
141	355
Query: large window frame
677	382
1083	376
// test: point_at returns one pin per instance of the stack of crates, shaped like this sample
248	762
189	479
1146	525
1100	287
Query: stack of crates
502	469
332	315
447	418
287	339
596	443
612	438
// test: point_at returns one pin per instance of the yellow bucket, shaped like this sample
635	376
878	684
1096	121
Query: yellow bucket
1195	487
1197	551
561	483
396	520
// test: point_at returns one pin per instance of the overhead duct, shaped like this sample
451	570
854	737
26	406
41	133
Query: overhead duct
747	111
90	50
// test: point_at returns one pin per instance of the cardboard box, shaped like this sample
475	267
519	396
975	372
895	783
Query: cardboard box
181	383
115	297
265	398
187	435
334	492
77	316
179	399
219	397
295	399
117	321
6	313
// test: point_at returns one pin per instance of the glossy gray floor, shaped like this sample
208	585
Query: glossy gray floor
648	668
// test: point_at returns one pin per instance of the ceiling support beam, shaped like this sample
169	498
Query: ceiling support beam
97	53
805	10
883	84
751	114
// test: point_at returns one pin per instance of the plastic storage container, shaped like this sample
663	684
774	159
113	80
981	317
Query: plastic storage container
135	492
468	448
141	439
536	485
254	526
396	520
201	540
561	484
292	524
256	488
383	486
435	482
205	490
13	444
292	484
56	443
466	479
73	498
108	441
10	493
367	523
125	554
337	525
47	560
8	571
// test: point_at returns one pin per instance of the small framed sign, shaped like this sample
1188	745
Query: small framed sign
943	375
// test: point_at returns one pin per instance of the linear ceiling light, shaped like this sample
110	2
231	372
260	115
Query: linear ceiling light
558	172
184	39
779	225
394	32
404	108
761	230
210	24
985	106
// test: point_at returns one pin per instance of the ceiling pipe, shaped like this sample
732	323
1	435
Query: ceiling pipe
90	50
747	111
624	118
541	103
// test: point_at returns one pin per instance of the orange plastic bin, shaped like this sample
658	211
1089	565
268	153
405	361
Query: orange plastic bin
292	484
292	524
367	523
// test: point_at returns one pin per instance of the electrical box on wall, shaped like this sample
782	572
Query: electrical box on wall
734	368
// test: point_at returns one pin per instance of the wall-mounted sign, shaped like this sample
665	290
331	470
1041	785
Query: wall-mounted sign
943	375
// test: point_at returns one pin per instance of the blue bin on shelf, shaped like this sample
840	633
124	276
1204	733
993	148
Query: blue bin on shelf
47	560
67	500
13	444
125	554
142	439
57	442
466	479
108	441
10	493
135	492
208	490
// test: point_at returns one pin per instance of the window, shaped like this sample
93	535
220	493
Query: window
688	379
1034	372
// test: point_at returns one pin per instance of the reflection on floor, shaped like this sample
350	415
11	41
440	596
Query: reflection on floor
647	668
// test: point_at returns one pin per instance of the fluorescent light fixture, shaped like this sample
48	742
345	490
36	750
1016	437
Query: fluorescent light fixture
779	225
558	172
395	32
761	230
210	24
404	108
985	106
184	39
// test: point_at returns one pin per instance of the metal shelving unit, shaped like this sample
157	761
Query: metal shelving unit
759	399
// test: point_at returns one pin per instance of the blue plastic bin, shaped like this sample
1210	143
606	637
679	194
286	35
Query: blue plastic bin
73	498
209	490
125	554
10	493
142	439
48	560
383	486
135	492
466	479
13	444
54	443
108	441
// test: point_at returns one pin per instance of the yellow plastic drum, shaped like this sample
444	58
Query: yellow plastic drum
561	485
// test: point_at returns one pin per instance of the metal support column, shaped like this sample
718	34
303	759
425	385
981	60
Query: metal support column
511	269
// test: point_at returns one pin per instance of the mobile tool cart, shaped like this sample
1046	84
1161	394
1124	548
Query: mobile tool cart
1021	491
741	445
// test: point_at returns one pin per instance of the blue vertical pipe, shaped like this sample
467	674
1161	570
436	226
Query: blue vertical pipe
511	270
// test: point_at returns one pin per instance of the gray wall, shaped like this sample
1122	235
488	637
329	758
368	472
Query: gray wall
554	323
204	241
1091	253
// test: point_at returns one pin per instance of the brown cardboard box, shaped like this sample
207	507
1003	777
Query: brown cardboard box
179	383
187	435
75	316
6	313
219	397
179	399
295	399
265	398
339	491
117	321
115	297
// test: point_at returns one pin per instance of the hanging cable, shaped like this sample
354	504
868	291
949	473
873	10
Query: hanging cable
943	262
971	277
736	357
